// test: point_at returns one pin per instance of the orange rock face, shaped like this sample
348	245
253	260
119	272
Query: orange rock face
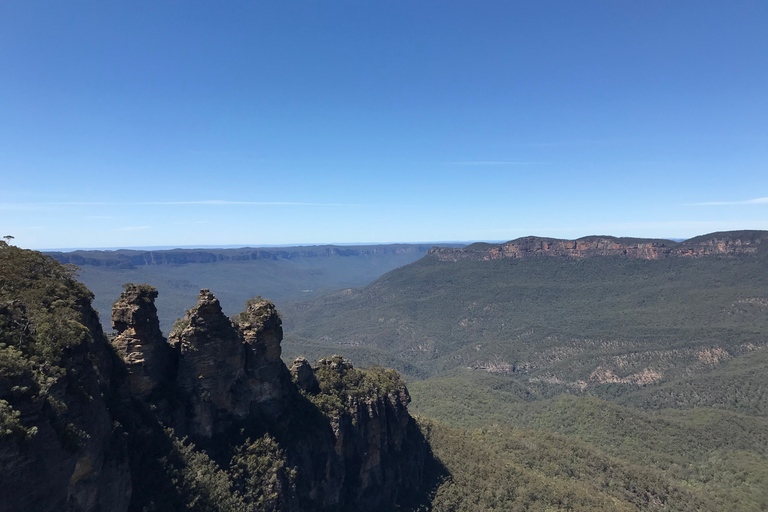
531	246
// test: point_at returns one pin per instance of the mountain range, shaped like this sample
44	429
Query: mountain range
280	273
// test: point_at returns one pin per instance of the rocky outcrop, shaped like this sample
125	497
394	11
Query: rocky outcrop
382	459
376	455
303	375
89	427
211	365
228	371
139	342
269	382
73	459
730	243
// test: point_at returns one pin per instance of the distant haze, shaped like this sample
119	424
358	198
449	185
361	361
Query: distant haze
234	275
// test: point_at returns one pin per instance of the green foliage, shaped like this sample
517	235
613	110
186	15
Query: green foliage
10	424
739	385
41	303
253	304
198	482
261	476
342	385
146	292
505	469
547	317
41	307
720	456
179	325
70	437
175	474
736	480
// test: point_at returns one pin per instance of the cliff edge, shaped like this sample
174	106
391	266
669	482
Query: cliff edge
723	243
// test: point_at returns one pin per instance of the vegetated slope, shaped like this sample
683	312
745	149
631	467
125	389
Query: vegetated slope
507	469
719	456
285	273
602	325
663	362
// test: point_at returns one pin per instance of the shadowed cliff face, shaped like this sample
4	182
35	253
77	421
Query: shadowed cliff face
228	371
261	330
375	444
211	364
527	247
229	377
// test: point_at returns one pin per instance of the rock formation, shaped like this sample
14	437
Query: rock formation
139	342
227	375
377	455
229	371
303	375
269	382
211	364
84	430
729	243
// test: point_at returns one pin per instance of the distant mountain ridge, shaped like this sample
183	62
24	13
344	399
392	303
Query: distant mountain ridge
281	273
567	323
725	243
128	258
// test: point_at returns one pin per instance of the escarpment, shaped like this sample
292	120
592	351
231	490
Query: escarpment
211	419
727	243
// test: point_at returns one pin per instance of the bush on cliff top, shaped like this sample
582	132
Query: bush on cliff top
41	305
341	384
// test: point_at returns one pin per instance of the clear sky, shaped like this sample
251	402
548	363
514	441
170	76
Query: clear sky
138	123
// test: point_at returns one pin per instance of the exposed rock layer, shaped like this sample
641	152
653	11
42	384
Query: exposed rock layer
225	370
729	243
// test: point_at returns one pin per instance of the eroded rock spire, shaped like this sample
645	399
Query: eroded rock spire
139	341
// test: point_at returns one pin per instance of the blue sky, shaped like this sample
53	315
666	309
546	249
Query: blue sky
283	122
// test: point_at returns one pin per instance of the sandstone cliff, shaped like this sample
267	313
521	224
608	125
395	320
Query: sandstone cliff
229	371
139	342
375	439
89	427
726	243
